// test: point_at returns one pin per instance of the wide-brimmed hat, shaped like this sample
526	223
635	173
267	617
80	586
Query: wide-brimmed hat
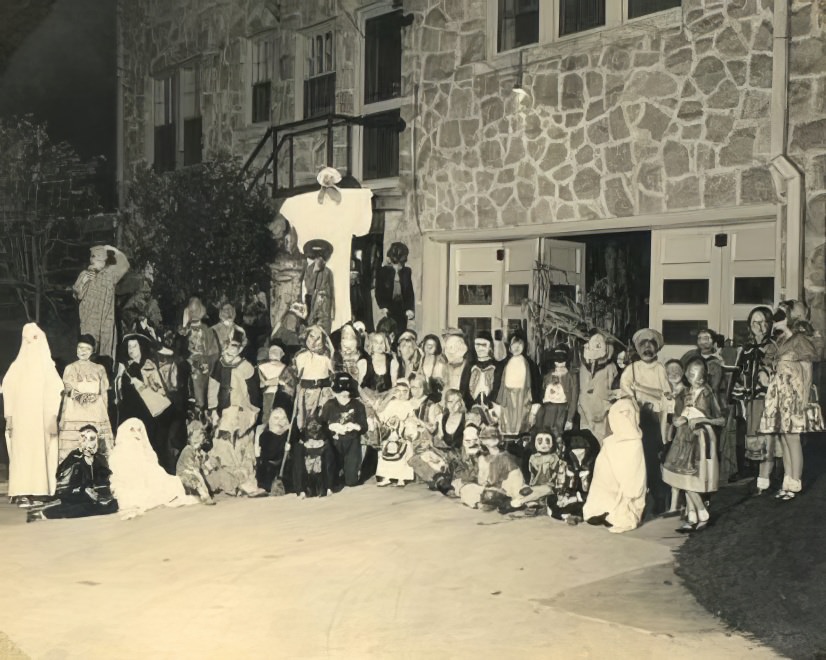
318	247
647	334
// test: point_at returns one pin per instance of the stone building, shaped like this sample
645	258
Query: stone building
693	133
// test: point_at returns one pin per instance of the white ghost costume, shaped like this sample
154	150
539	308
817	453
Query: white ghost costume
319	216
138	482
619	484
32	390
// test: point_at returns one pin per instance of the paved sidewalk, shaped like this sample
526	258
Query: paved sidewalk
367	573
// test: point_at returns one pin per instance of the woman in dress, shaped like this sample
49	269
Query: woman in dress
747	390
789	391
378	381
138	482
31	397
691	464
86	401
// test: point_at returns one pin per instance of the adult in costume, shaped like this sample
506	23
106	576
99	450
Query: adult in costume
336	215
647	383
202	350
394	287
31	391
319	284
95	292
747	391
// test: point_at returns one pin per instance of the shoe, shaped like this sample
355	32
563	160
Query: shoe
401	484
702	525
686	528
24	503
670	514
781	494
788	496
382	484
31	516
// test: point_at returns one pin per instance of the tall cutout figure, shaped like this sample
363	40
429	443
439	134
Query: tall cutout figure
335	215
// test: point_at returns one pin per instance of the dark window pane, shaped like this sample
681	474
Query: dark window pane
383	58
261	101
518	293
580	15
473	326
685	292
518	24
320	95
192	141
475	294
562	293
516	325
164	148
682	332
741	333
753	290
642	7
381	145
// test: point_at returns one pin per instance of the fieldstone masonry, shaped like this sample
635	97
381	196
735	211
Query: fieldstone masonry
670	113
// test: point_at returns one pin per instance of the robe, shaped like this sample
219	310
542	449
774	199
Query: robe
32	390
619	484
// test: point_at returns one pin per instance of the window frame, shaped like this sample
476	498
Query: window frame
378	107
304	38
164	97
261	79
616	15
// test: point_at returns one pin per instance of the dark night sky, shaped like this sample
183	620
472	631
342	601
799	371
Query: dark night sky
64	72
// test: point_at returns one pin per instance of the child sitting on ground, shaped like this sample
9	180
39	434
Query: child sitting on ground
193	464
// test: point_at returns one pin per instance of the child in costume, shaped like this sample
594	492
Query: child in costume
82	483
560	395
579	454
311	462
596	378
272	445
193	464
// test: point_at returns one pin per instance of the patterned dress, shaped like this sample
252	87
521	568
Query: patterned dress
790	387
85	402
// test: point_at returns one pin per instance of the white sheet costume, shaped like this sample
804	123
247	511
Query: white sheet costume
315	215
32	390
138	482
619	485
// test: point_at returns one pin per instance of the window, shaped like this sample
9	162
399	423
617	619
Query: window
685	292
683	333
190	115
580	15
514	24
637	8
383	58
381	95
320	74
164	119
262	70
517	24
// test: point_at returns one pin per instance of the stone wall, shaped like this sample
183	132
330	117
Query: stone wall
807	134
639	120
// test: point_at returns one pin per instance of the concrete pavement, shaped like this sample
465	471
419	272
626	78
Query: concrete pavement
367	573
